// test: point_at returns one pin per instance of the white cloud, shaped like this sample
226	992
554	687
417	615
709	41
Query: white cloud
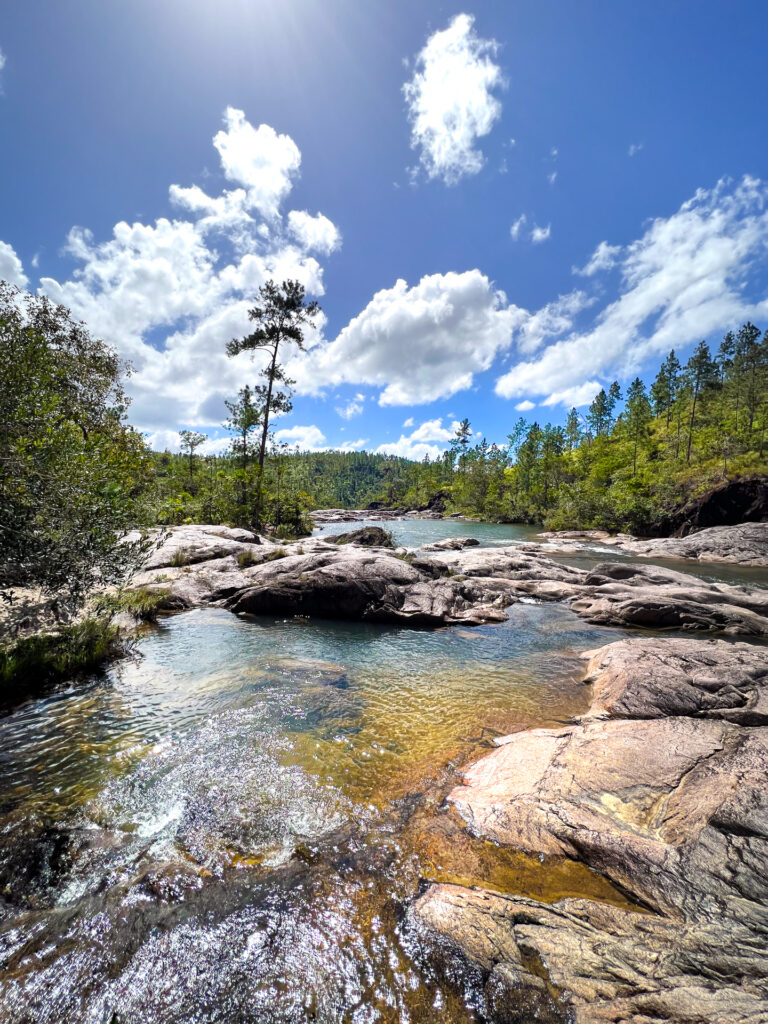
683	280
603	258
552	178
540	234
316	233
555	318
259	159
419	344
525	406
553	152
353	446
409	422
579	394
353	408
170	440
635	148
169	300
450	100
11	269
416	445
307	439
517	227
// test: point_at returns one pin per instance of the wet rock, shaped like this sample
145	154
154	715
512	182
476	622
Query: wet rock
367	537
660	676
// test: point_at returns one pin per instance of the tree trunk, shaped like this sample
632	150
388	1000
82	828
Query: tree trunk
263	448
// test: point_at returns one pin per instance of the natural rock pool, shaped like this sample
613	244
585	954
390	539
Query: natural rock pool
230	826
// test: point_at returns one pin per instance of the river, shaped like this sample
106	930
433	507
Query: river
229	826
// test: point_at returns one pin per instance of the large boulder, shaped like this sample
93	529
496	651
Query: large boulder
743	544
742	500
366	536
372	585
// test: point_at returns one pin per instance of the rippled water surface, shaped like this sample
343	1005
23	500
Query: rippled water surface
230	826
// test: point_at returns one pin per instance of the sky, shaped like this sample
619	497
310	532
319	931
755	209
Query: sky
500	207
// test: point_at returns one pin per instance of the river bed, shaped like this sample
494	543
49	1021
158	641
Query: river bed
230	826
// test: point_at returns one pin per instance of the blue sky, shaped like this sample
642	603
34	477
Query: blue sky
500	206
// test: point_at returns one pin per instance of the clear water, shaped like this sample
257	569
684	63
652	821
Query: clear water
229	827
413	532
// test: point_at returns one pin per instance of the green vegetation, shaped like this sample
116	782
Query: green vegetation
142	603
74	475
246	558
44	658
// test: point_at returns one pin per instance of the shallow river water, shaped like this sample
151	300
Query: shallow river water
230	826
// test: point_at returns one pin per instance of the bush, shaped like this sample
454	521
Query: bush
142	603
246	559
44	658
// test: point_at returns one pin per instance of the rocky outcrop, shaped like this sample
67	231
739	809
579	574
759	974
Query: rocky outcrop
451	544
373	585
619	593
366	536
672	809
653	677
743	544
742	500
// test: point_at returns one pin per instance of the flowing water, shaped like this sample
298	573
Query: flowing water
230	826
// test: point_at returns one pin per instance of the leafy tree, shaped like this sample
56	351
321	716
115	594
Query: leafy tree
244	417
281	317
72	471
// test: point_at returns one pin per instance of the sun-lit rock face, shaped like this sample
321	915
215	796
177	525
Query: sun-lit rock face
670	804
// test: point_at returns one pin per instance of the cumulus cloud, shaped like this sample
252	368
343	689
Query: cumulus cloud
684	279
525	406
418	344
540	234
11	269
264	162
315	233
417	444
170	294
307	439
450	100
409	422
353	446
170	440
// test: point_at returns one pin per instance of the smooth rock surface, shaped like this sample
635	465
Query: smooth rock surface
654	677
674	810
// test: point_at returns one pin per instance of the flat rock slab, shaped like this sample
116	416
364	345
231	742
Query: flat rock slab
674	810
745	544
664	676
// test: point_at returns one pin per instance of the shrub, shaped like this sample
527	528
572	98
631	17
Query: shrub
47	657
247	558
143	603
180	557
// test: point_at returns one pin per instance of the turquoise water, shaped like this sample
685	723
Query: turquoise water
412	533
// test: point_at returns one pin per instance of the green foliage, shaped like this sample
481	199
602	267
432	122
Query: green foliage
246	559
44	658
73	474
180	557
140	602
274	554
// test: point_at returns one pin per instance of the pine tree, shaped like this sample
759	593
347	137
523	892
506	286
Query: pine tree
637	417
700	374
